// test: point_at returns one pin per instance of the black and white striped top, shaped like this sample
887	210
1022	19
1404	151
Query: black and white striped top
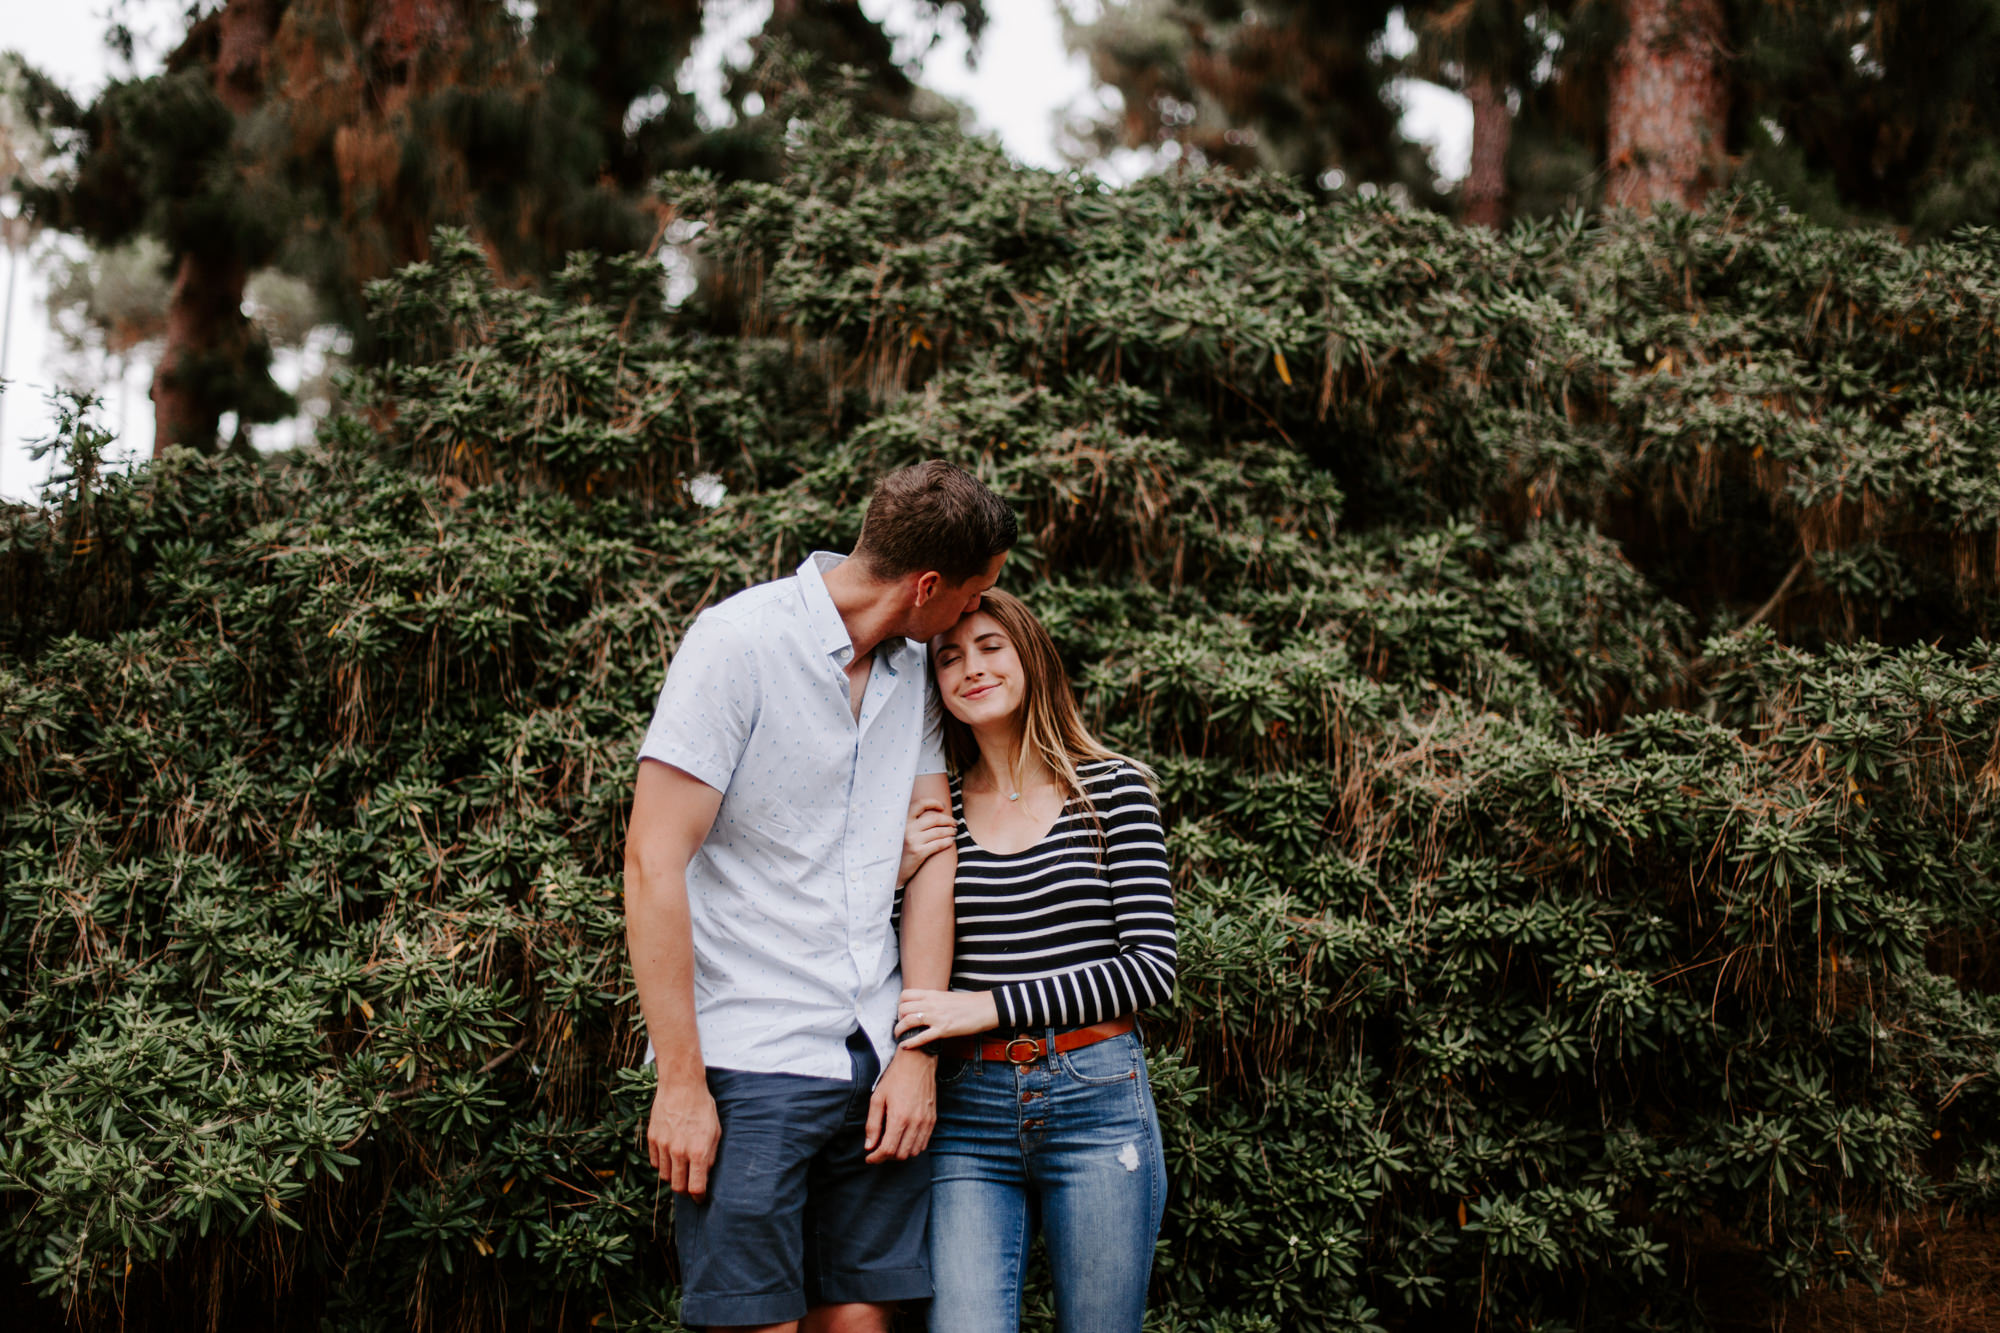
1070	931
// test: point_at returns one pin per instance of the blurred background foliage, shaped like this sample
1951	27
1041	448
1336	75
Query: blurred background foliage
322	141
1567	652
327	138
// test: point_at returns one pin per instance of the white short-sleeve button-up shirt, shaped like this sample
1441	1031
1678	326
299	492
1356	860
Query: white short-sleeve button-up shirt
792	891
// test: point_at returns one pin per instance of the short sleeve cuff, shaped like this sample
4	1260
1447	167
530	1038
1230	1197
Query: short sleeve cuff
705	769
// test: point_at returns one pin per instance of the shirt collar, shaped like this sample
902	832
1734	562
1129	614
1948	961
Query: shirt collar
821	614
828	629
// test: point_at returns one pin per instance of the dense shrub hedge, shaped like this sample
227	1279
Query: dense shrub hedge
1562	652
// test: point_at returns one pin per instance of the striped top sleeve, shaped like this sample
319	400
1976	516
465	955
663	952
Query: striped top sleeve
1070	932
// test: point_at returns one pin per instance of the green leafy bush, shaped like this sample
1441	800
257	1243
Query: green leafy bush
1562	654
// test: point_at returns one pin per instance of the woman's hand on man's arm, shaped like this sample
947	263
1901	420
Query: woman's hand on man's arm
944	1013
929	830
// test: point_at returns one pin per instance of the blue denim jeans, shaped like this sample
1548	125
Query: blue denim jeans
1069	1146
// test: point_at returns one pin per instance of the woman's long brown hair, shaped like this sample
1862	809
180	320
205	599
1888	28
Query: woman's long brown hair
1051	724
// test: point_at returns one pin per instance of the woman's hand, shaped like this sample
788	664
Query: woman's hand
944	1013
931	829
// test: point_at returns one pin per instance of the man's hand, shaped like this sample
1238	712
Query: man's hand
903	1109
683	1135
929	830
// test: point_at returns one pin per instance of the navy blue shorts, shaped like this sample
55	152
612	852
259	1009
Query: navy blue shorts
795	1217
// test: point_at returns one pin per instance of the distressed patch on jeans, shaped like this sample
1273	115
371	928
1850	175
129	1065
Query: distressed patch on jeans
1128	1157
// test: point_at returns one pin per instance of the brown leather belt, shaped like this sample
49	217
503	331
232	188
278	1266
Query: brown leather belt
1027	1050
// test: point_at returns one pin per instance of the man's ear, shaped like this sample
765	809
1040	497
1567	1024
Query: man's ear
927	586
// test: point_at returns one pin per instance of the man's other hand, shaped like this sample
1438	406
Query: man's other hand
683	1135
903	1110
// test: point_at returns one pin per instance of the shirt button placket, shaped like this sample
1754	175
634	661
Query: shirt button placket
850	874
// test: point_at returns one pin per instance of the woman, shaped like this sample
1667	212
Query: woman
1065	930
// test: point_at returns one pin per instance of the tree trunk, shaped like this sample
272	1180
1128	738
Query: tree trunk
401	32
206	339
243	38
201	366
1485	191
1668	105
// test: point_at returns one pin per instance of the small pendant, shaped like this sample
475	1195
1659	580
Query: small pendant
1013	796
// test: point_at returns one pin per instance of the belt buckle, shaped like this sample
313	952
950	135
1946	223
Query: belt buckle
1034	1050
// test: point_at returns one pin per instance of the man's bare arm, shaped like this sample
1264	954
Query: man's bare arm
671	814
904	1107
929	913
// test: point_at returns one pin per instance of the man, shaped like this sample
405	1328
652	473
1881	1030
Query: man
795	729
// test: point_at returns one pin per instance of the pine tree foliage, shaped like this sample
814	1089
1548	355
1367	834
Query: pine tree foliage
1887	109
1296	87
329	138
1853	111
1567	656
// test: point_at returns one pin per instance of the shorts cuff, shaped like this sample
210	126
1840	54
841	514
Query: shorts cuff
876	1287
778	1307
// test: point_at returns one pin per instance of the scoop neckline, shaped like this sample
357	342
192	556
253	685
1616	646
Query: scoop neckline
1047	834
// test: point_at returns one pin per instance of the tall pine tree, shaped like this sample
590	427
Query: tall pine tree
1667	121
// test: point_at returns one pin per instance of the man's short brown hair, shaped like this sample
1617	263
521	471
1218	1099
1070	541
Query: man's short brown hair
934	516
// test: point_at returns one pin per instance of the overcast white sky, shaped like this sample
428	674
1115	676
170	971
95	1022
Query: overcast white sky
1023	81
